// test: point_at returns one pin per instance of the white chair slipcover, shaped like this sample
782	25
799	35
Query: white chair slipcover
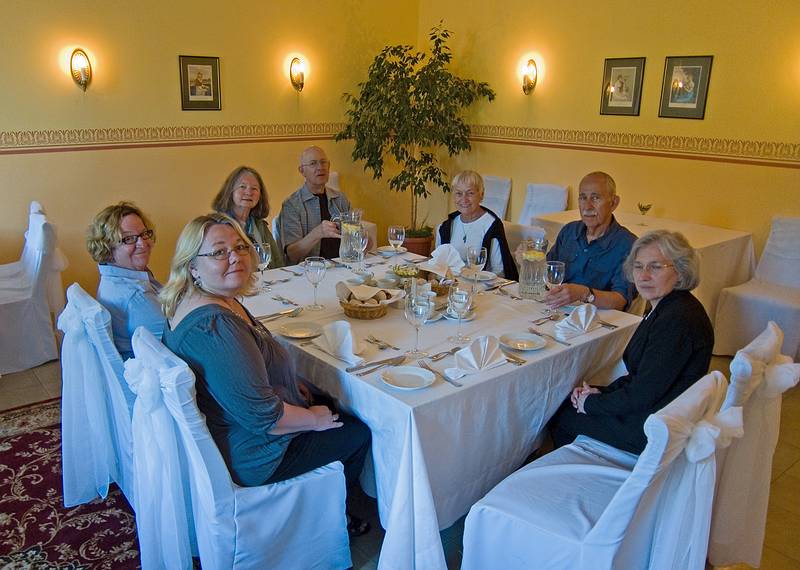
542	199
745	468
299	523
29	290
517	233
96	443
588	505
772	295
497	191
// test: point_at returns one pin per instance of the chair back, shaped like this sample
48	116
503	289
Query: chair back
662	511
542	199
95	420
497	191
517	233
212	490
333	180
780	261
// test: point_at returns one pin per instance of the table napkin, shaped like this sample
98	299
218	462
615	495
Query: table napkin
443	258
337	340
580	321
364	292
481	354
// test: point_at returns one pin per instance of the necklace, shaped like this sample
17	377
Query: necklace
470	235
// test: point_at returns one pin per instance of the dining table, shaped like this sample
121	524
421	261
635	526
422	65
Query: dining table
727	257
437	450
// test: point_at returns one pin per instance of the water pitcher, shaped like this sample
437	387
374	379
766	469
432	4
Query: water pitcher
533	271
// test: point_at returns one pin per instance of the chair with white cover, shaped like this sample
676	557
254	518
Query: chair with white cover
298	523
517	233
96	443
772	295
29	290
588	505
542	199
759	377
496	193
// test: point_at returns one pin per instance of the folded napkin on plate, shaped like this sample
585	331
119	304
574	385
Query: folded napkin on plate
363	293
337	340
443	259
481	354
580	321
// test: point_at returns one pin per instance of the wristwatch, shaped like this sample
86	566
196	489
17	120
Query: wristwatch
589	298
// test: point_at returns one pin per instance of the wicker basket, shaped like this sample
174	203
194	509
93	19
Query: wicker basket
366	312
440	290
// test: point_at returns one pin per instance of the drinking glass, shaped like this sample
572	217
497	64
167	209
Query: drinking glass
418	310
264	255
361	244
315	268
397	235
555	274
476	260
459	302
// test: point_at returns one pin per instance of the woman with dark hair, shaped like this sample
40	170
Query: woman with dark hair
244	198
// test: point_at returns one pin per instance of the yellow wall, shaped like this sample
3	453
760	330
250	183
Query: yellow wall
754	95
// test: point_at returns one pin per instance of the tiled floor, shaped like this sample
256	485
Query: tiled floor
782	544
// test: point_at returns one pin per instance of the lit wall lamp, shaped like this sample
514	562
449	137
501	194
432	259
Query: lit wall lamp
297	74
529	77
80	68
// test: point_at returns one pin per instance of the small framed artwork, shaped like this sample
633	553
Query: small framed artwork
622	86
685	87
200	83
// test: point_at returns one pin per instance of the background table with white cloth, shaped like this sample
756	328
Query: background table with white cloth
437	450
726	256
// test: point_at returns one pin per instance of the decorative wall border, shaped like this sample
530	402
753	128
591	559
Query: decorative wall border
763	153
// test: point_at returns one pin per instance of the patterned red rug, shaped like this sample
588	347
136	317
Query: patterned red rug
36	531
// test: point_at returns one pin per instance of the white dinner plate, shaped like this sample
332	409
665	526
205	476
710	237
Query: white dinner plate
482	275
453	317
407	377
300	330
522	341
389	251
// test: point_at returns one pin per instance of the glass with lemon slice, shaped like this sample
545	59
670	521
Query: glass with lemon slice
533	270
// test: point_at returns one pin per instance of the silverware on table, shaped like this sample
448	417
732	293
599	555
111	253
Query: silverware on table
606	324
554	317
503	283
287	270
501	291
514	359
430	368
380	345
364	365
444	354
285	300
275	316
274	281
551	337
375	340
397	360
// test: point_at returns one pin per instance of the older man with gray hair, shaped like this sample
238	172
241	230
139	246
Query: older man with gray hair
594	249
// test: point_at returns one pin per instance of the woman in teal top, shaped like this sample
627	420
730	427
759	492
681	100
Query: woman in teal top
244	199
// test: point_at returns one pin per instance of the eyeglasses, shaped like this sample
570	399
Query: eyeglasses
145	236
594	198
314	163
221	254
653	268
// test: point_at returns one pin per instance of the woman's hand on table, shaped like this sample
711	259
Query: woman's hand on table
325	419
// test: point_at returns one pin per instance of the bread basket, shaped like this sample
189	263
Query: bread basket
365	312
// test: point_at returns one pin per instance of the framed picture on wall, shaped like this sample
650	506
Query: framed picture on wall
622	86
685	87
200	83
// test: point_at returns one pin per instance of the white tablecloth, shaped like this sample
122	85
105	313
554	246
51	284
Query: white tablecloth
726	256
438	450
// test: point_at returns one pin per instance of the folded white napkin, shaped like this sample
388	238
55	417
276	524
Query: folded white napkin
580	321
337	340
443	258
364	292
481	354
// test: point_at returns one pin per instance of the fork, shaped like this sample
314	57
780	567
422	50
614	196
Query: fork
501	291
440	355
382	343
429	368
284	300
553	317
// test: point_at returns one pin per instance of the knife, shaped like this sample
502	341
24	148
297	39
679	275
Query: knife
273	315
498	285
369	364
514	358
551	337
393	362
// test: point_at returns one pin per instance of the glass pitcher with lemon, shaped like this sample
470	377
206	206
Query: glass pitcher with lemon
533	270
350	227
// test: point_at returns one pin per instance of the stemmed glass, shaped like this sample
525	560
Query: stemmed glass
418	310
397	235
459	302
553	276
476	260
264	255
315	268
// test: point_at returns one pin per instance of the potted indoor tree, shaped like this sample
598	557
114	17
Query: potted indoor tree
409	109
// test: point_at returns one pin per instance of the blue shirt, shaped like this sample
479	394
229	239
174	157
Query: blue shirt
132	299
597	264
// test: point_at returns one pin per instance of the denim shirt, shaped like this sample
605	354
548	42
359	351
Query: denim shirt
597	264
132	299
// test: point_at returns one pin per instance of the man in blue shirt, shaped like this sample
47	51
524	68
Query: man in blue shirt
593	249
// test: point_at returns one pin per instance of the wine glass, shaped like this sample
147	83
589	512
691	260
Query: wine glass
264	252
554	274
315	268
397	235
459	302
476	260
418	310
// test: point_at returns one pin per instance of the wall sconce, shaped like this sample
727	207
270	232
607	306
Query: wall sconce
297	74
529	77
80	68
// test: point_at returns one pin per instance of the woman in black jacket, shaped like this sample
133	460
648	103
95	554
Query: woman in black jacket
669	351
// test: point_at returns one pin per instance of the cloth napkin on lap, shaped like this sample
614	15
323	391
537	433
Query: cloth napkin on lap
337	340
580	321
481	354
443	258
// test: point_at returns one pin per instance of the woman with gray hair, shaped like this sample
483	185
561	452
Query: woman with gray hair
670	350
